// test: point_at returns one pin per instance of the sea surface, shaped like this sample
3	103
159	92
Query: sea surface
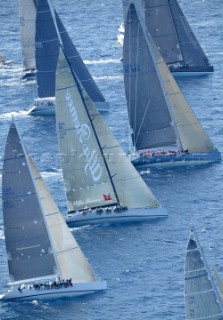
143	264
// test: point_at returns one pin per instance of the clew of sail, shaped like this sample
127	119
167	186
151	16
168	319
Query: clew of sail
71	260
202	300
96	170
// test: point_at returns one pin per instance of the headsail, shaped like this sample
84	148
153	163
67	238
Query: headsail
71	260
27	19
159	115
96	170
28	246
202	300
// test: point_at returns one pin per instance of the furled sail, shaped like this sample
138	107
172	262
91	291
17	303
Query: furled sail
202	300
71	260
27	19
28	246
159	115
47	52
96	170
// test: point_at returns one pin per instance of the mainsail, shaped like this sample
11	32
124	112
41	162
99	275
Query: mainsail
47	52
27	19
28	247
96	171
71	260
159	115
202	299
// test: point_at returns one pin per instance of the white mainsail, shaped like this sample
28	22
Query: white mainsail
202	299
71	260
96	170
27	18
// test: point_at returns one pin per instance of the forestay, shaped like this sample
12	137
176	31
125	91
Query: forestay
27	19
28	246
96	170
158	112
71	260
201	297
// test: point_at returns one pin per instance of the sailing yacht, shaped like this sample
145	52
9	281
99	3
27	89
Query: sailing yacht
202	299
27	18
164	130
172	34
102	186
44	259
50	34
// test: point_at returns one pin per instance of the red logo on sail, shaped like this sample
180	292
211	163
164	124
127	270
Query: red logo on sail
107	197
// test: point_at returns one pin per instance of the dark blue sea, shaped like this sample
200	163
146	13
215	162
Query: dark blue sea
142	263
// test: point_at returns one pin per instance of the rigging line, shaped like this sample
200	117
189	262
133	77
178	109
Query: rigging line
145	112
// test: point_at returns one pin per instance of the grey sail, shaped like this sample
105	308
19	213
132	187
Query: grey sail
172	34
159	115
161	25
192	53
96	170
47	52
149	116
27	19
28	246
202	300
71	260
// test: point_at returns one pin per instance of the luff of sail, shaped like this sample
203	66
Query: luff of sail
202	300
157	108
71	260
28	246
96	170
27	19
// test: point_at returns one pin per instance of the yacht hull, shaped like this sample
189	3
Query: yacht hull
128	216
46	110
76	290
173	161
191	71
